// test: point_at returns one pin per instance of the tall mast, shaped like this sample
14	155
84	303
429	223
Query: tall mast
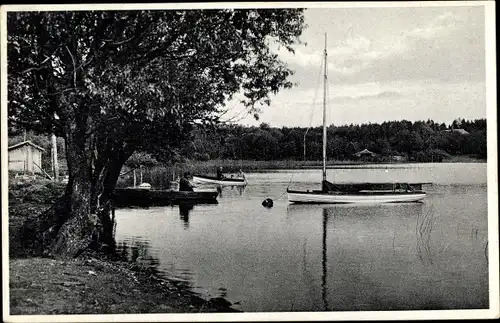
324	115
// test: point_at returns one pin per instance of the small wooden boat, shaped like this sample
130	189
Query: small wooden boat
361	193
152	197
232	181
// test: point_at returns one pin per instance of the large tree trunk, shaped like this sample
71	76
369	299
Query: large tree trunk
83	218
74	223
75	233
102	204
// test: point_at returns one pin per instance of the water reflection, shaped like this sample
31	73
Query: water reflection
351	222
356	211
184	210
324	257
138	252
326	213
238	189
423	229
324	261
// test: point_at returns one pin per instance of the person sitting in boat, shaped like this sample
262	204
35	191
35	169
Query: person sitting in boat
185	184
220	175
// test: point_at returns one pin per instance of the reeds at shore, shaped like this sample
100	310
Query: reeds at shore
162	177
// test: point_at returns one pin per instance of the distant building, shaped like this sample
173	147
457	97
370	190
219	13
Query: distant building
25	157
365	152
366	155
460	131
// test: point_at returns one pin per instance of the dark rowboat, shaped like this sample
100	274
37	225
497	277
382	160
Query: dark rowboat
145	197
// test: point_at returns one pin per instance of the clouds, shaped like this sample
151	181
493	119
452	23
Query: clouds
376	103
386	64
442	25
448	46
385	95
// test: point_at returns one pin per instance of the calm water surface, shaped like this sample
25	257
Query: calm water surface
430	255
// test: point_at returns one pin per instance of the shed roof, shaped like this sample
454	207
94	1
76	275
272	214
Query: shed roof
365	152
25	143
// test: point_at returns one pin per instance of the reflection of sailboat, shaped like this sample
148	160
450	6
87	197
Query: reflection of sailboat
324	245
324	262
367	193
423	230
343	221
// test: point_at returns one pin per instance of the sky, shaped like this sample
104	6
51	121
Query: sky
383	64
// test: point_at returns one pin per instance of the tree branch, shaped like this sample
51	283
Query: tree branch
86	63
37	68
74	67
119	42
65	90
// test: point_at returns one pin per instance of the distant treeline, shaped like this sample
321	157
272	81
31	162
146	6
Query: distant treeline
417	141
423	141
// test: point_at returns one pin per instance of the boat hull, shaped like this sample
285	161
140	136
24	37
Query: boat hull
358	198
142	197
211	180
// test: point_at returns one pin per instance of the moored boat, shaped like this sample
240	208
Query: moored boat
362	197
359	193
224	181
142	197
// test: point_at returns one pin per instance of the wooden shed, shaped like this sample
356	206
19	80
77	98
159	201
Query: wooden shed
25	157
366	155
365	152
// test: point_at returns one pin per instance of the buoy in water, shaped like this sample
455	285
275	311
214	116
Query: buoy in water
267	202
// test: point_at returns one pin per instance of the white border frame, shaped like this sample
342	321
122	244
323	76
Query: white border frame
492	162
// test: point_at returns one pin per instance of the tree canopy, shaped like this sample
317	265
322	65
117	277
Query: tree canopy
420	141
129	74
113	82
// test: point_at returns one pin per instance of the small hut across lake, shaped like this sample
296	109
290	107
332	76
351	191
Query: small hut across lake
366	155
25	157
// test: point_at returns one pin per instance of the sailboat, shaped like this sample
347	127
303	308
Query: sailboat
361	193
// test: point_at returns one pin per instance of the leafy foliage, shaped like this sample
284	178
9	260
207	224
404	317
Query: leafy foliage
142	78
139	158
161	68
114	82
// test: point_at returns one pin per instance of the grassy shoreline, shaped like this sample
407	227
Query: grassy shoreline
233	166
91	283
162	176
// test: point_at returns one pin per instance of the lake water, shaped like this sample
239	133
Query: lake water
430	255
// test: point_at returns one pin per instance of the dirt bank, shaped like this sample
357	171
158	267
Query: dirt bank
90	284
